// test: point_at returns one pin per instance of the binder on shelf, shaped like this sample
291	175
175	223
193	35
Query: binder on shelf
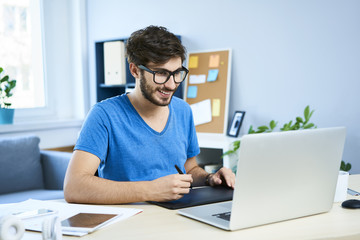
114	63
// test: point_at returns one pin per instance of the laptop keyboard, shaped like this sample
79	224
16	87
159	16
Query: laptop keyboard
225	215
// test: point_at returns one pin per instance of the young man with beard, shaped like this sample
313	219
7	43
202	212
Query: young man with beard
136	139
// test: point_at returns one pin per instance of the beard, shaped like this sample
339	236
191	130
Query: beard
150	93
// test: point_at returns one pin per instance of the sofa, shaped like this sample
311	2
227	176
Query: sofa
28	172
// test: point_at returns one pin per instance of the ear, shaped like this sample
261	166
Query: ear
134	70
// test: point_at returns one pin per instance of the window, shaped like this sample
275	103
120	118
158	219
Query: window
21	53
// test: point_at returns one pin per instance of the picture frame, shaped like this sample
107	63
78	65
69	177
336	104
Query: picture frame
234	128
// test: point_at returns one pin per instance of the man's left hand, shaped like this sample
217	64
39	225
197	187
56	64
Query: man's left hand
222	177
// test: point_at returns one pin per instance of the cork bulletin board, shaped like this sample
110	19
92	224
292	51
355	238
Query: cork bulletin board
207	89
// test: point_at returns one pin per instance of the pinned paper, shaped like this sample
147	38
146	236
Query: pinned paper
197	79
216	107
201	112
193	62
214	60
192	92
212	75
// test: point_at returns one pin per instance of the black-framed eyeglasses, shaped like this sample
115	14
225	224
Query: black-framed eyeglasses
163	75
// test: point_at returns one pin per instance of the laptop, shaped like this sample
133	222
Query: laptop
280	176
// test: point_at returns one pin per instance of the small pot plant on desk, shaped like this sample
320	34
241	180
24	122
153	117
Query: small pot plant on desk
298	124
6	87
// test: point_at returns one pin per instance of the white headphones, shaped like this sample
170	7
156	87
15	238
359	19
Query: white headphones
12	228
51	228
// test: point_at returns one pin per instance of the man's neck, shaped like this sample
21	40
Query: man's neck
144	107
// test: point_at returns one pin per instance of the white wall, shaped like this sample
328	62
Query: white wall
65	36
286	54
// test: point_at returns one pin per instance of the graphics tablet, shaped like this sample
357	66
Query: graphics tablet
199	196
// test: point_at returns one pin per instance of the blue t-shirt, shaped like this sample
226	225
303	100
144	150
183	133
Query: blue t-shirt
130	150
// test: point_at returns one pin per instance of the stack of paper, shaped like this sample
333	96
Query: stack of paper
65	211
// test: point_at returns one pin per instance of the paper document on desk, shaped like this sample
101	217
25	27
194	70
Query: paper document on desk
64	210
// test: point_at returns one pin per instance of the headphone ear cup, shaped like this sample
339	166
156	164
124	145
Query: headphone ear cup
51	228
57	228
11	227
46	229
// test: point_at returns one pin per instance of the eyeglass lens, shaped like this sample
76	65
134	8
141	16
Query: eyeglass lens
163	76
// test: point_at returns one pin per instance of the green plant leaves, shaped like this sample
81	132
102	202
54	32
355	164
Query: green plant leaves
310	125
299	120
300	123
251	130
307	114
345	166
4	79
235	145
263	128
6	87
273	124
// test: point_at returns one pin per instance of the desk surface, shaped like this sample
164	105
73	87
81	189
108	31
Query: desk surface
160	223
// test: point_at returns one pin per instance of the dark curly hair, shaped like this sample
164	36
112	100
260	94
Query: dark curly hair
153	44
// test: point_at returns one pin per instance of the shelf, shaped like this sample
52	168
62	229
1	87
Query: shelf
112	86
102	85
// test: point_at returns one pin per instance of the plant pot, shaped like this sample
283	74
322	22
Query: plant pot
7	115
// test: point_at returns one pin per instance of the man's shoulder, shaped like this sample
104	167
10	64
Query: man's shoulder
112	100
115	101
109	106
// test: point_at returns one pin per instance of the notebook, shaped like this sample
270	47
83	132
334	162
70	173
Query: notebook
199	196
280	176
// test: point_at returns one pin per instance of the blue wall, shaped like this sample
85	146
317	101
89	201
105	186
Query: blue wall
286	54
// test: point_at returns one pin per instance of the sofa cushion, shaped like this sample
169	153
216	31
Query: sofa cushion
38	194
54	166
20	164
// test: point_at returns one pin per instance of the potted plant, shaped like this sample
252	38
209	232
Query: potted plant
299	123
6	87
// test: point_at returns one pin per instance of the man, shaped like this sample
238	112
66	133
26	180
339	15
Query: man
135	140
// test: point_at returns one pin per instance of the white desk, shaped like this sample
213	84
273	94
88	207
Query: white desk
159	223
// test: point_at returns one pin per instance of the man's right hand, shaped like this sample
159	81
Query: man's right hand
81	186
171	187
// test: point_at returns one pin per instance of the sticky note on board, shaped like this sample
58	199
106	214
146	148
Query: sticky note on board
202	112
216	107
212	75
192	92
193	62
214	60
197	79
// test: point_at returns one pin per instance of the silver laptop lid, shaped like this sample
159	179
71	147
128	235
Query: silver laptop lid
285	175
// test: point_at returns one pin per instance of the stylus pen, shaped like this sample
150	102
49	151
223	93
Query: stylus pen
353	192
180	172
178	169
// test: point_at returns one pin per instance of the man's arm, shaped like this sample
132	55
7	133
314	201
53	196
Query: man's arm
81	186
224	176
